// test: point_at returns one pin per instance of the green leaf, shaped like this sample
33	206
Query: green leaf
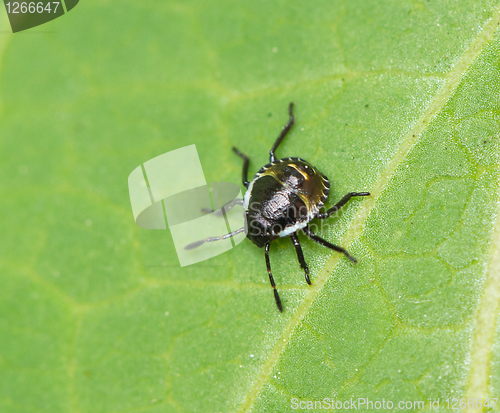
399	98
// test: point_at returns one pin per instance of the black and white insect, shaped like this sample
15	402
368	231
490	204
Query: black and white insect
283	197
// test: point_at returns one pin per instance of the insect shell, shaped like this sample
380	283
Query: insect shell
283	197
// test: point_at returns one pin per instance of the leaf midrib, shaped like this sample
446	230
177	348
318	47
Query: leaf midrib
486	319
452	80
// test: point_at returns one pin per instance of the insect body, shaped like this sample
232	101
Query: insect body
282	198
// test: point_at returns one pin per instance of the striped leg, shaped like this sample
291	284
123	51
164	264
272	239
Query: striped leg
300	256
211	239
271	279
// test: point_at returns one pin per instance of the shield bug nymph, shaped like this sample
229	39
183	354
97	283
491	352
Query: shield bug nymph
283	197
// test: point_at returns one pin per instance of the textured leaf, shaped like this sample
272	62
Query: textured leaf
399	98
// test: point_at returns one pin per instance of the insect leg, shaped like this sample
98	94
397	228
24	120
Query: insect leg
271	279
340	204
300	255
211	239
283	133
327	244
246	161
227	207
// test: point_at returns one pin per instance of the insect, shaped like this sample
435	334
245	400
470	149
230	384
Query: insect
283	197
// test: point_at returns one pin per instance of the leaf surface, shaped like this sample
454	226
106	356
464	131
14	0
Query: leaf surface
399	98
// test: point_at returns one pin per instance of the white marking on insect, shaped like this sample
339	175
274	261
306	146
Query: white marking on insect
248	193
291	229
